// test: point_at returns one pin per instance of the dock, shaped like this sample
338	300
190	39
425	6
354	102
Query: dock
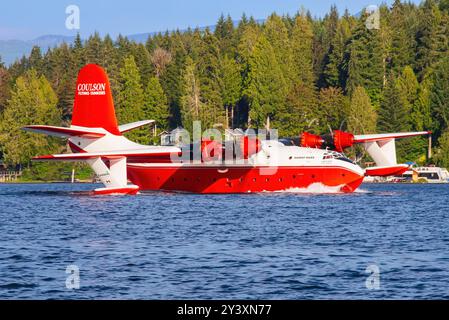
9	176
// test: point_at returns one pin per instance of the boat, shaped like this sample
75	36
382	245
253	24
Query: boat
428	174
242	163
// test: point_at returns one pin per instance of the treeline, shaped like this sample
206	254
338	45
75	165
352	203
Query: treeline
302	72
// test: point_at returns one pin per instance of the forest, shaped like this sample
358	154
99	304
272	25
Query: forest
304	73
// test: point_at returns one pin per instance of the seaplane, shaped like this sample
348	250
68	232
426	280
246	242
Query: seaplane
248	164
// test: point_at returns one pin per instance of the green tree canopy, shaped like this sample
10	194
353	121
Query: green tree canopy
301	42
439	95
192	108
156	105
333	107
441	156
4	86
362	115
231	84
365	61
33	101
130	99
210	80
394	112
264	86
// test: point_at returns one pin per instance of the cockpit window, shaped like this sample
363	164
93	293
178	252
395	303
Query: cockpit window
343	158
287	142
337	156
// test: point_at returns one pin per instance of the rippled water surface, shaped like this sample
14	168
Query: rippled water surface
259	246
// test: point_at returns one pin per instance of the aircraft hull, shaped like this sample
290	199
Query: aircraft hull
207	179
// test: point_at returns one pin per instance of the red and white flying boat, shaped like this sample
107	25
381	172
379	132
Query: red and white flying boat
256	165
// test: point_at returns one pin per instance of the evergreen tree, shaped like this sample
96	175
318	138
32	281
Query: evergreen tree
143	62
439	96
248	37
402	25
333	108
4	86
231	85
444	5
93	49
329	29
299	112
362	115
111	62
35	60
61	71
78	51
130	99
422	116
301	41
276	33
431	37
264	85
172	83
408	86
209	74
394	110
441	156
366	62
417	118
156	104
333	74
331	22
224	32
32	101
192	108
398	103
123	46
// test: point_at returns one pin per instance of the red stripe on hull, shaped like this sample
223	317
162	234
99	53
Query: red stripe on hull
240	179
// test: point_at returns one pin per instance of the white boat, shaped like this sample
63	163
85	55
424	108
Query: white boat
430	174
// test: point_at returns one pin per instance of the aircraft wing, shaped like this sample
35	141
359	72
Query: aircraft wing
157	153
130	126
387	136
382	149
62	132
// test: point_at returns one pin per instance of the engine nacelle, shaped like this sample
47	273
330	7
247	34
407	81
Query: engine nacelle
337	141
309	140
343	140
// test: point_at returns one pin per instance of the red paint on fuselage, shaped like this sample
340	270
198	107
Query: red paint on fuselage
229	179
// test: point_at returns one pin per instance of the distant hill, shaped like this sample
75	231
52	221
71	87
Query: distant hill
11	50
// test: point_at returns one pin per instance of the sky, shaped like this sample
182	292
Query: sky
27	19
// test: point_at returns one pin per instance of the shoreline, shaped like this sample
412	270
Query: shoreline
47	182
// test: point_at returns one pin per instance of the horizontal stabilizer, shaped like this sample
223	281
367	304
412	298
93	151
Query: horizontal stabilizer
386	171
62	132
130	126
156	153
387	136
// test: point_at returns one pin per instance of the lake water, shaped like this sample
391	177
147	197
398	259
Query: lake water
258	246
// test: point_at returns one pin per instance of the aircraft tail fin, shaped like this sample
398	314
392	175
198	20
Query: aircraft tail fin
94	106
